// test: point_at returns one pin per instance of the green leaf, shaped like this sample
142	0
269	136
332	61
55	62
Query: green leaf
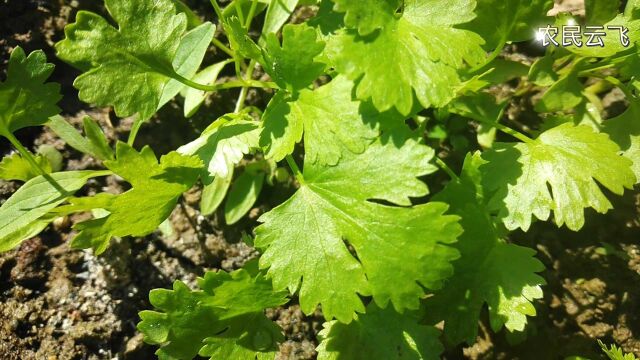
194	98
368	15
504	70
489	271
615	353
600	12
293	65
126	67
139	211
330	214
254	338
23	214
624	130
632	10
53	160
612	43
97	139
418	51
326	20
193	20
278	13
245	6
379	334
331	121
224	143
541	72
557	171
500	21
188	58
227	314
27	232
15	167
95	144
483	108
239	39
565	94
25	99
214	193
243	195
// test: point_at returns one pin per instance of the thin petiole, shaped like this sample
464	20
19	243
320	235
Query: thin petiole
296	170
625	89
134	132
245	89
227	85
217	43
252	12
446	169
33	163
494	54
516	134
25	154
505	129
602	65
239	12
217	9
239	64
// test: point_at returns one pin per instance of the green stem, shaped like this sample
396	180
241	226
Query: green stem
625	89
586	73
446	168
252	13
241	99
134	132
602	65
505	129
516	134
25	154
217	43
239	63
217	9
599	87
245	89
227	85
239	12
296	170
494	54
33	163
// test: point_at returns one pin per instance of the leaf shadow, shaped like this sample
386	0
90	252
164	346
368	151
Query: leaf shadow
500	170
275	119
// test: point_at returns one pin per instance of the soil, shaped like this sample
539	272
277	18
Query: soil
57	303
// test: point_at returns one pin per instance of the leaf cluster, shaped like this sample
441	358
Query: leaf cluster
373	98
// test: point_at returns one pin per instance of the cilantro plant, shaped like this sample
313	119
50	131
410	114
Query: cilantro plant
375	97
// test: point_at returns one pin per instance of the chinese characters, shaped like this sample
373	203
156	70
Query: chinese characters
579	36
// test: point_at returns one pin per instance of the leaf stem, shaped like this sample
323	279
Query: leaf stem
252	12
446	168
217	9
609	63
137	124
296	170
239	64
239	12
227	85
494	54
245	89
505	129
625	89
217	43
32	162
516	134
25	153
